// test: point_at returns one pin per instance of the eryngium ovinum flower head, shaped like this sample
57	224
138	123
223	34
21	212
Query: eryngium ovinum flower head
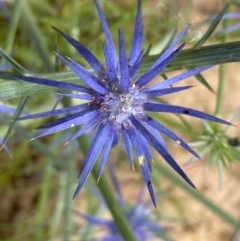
118	101
145	223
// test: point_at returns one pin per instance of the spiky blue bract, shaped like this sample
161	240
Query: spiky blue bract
117	101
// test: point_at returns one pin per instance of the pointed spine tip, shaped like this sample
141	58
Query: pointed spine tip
74	195
98	179
32	139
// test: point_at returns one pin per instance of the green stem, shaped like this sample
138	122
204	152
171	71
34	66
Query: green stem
36	35
13	26
43	202
220	91
222	76
58	210
198	196
120	219
67	203
67	175
74	20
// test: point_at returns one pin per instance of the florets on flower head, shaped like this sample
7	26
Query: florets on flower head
117	107
119	101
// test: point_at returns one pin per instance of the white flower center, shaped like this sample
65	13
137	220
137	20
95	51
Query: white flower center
118	107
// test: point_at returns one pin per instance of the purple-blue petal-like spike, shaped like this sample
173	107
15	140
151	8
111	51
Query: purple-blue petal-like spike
127	144
123	65
90	124
85	52
229	29
137	37
165	91
115	140
227	15
95	220
92	81
170	49
66	110
157	136
161	107
153	72
163	129
137	146
64	119
78	120
106	150
108	35
134	68
7	110
100	138
53	83
178	78
161	150
84	96
154	227
111	70
148	180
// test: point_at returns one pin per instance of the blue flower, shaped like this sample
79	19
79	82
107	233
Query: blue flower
143	221
118	101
